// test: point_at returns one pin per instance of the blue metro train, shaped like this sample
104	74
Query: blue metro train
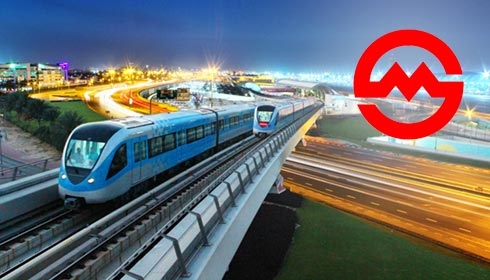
106	160
272	116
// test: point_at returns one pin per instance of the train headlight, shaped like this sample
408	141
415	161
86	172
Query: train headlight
91	180
63	176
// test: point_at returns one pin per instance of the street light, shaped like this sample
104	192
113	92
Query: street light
1	154
469	112
13	68
150	99
435	142
214	70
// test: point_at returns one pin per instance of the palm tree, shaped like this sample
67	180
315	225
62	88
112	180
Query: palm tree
66	122
9	101
51	114
20	100
69	120
35	109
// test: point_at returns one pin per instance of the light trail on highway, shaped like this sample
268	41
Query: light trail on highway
456	217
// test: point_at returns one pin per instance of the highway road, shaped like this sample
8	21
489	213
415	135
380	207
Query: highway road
125	101
114	101
425	198
437	173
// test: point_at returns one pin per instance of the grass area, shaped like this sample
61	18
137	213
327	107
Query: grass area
80	108
330	244
352	128
356	129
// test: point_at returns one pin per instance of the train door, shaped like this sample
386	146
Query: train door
139	157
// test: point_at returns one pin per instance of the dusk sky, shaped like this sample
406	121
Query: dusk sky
263	35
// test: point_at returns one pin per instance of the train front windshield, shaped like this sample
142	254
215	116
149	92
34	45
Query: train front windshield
83	153
264	115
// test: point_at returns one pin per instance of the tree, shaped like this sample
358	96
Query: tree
66	122
51	114
9	101
69	120
35	109
20	102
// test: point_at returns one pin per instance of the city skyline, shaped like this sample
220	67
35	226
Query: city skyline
292	36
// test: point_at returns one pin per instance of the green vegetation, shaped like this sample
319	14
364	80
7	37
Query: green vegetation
352	128
330	244
46	121
80	108
356	129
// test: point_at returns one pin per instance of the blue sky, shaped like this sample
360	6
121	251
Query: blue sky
297	35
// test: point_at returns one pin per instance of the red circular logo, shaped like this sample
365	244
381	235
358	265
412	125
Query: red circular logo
451	91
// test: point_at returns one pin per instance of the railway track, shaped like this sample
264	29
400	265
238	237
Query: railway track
117	239
40	233
120	232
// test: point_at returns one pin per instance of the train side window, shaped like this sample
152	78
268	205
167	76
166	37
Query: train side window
181	137
208	129
139	151
199	132
191	135
213	128
169	143
119	161
221	124
155	146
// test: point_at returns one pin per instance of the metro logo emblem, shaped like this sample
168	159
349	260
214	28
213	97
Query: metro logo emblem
409	86
451	91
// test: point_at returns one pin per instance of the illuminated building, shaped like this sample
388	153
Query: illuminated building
40	75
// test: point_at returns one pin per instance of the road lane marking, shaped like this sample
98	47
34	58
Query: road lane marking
404	203
460	218
465	230
350	196
375	203
431	220
401	211
328	190
400	186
